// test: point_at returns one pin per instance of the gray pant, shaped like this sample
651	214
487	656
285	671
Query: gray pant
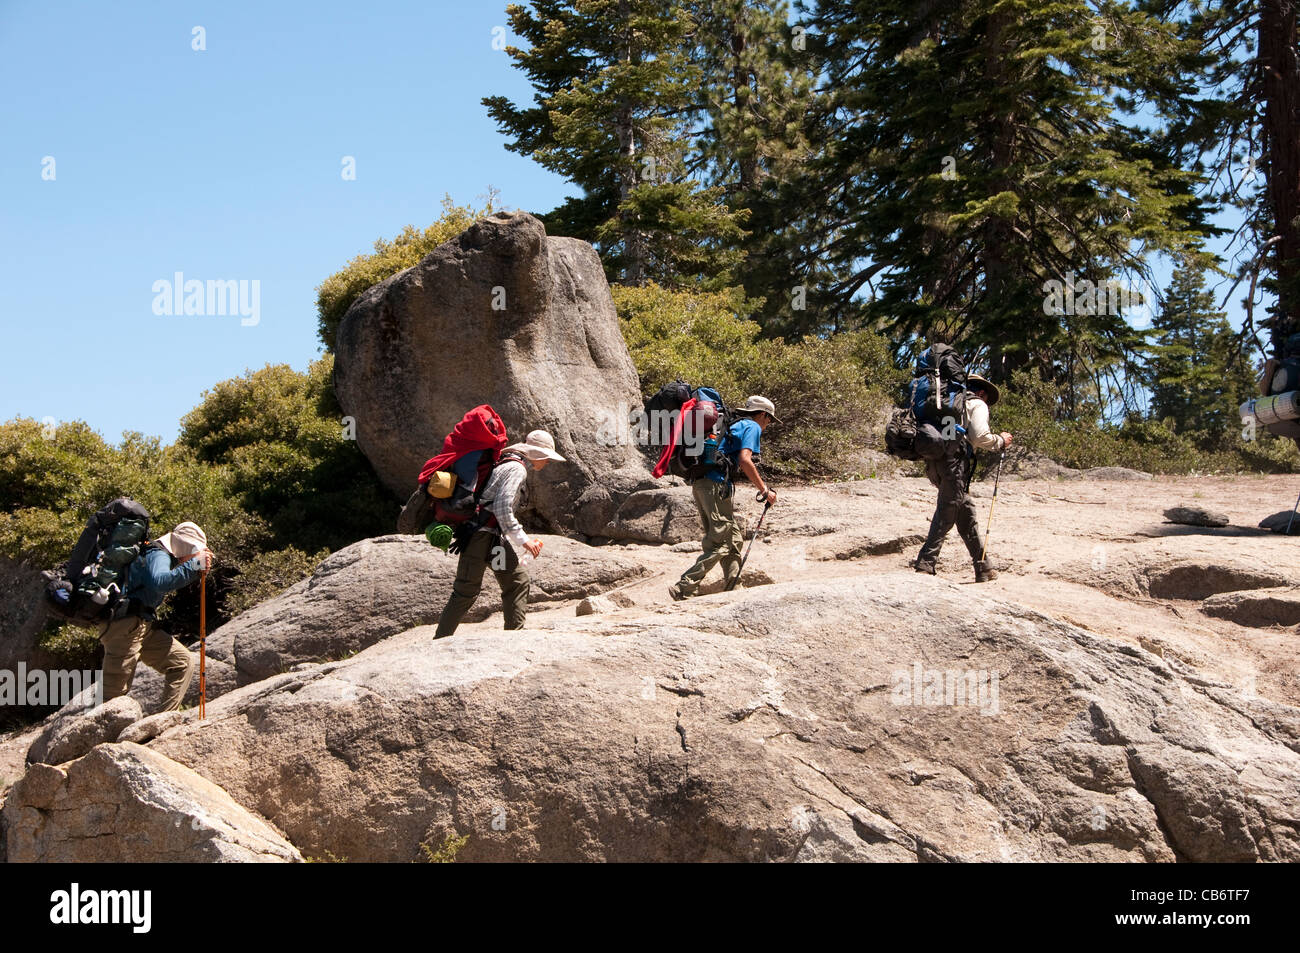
722	536
955	507
478	555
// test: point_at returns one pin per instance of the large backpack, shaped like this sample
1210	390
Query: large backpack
939	376
924	425
89	589
697	441
449	484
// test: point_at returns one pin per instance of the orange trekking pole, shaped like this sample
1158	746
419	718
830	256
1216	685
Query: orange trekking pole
203	644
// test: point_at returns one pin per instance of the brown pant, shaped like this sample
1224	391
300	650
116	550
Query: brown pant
482	552
130	640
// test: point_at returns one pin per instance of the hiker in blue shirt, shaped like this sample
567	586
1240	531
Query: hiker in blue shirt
713	497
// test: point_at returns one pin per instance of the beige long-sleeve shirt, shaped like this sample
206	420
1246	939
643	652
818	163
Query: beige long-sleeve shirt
976	421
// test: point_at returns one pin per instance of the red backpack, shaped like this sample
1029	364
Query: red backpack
469	453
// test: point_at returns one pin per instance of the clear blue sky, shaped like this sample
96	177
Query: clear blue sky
221	164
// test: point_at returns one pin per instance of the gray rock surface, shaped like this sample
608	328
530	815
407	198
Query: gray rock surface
1113	473
78	728
123	802
595	605
786	723
502	315
22	615
1159	576
1195	516
662	515
1258	608
380	587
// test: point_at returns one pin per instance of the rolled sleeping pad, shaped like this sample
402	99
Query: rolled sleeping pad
1273	409
1285	377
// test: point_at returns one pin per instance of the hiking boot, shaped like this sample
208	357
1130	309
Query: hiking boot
984	571
676	593
927	568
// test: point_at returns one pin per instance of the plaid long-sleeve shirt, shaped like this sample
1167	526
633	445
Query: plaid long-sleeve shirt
499	496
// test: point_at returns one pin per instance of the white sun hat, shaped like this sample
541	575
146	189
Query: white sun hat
756	404
184	541
536	446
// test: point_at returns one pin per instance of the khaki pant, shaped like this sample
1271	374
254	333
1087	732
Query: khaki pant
723	539
130	640
474	562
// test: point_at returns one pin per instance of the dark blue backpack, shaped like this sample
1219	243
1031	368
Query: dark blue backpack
939	377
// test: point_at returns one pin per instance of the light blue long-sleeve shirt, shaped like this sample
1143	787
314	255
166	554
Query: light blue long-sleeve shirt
152	577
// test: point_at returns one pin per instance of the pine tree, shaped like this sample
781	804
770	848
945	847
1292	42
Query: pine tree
1233	105
1196	374
757	87
614	111
973	153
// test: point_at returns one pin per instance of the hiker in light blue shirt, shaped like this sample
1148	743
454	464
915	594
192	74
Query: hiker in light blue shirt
713	497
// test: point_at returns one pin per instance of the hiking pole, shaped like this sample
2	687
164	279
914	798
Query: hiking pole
757	529
992	503
203	644
1292	519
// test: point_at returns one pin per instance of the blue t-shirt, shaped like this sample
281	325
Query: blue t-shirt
743	435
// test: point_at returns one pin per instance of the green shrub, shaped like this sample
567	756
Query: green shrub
830	393
337	292
268	574
280	436
1026	410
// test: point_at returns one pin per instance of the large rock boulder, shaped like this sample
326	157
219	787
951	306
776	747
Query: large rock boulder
840	720
1196	516
1284	521
22	615
379	587
665	514
1259	607
76	729
502	315
123	802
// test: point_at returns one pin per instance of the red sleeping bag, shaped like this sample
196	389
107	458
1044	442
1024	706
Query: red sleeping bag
662	466
480	429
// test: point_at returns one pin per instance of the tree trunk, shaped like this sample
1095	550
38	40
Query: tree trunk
998	233
1281	135
634	252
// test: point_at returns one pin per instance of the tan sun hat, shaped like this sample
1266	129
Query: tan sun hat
756	404
184	541
538	444
976	382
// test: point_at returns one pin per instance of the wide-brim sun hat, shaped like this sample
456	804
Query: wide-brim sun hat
185	541
537	445
975	382
757	403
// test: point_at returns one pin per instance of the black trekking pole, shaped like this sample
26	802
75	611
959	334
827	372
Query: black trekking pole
994	502
761	497
1292	519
